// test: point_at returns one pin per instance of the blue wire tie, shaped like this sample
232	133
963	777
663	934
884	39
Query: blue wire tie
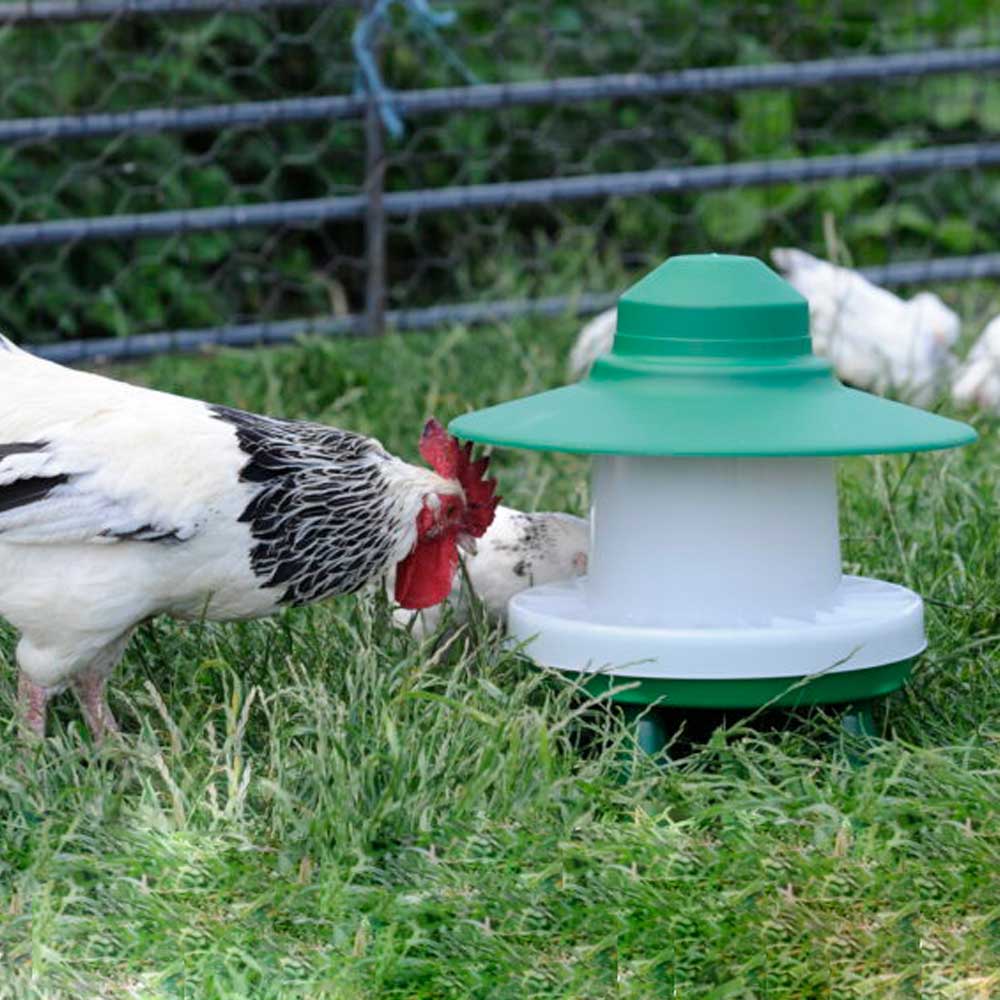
427	21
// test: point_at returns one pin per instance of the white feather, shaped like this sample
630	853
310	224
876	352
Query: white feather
137	456
593	340
977	382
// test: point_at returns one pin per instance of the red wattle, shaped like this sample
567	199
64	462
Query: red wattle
424	577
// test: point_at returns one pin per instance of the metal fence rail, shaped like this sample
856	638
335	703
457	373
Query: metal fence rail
462	314
491	97
407	204
519	161
260	334
60	12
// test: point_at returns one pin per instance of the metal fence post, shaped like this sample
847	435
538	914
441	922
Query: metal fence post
375	287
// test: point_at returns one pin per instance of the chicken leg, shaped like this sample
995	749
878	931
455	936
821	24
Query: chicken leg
87	681
89	688
33	702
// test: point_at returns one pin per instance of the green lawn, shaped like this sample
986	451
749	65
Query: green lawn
318	806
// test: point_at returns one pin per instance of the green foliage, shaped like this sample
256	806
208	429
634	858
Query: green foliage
113	288
320	806
734	216
766	123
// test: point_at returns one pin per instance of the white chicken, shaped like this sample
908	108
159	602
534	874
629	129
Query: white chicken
977	382
594	339
518	550
874	339
118	503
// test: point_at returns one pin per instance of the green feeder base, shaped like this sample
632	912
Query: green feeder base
856	690
842	687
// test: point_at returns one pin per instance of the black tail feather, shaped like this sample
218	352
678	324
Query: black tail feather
25	491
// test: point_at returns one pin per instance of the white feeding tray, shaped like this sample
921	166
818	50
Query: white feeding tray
871	623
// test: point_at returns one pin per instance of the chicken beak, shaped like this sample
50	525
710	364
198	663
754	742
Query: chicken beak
467	544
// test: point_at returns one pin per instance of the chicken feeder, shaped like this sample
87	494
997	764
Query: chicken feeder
715	576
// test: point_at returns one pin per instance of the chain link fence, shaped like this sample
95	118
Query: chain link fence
175	173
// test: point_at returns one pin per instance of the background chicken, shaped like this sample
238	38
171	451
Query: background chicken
118	503
594	339
519	550
977	382
874	339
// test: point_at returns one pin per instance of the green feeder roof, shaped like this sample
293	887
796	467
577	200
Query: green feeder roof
712	357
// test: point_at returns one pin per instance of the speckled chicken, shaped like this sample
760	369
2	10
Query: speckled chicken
518	550
119	503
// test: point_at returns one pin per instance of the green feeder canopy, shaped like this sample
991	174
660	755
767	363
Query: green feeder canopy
712	358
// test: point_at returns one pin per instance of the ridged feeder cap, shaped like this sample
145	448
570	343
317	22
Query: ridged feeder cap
712	357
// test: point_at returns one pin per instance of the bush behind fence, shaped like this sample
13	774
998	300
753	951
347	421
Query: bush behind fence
142	111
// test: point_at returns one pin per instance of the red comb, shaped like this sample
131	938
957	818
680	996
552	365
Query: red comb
452	460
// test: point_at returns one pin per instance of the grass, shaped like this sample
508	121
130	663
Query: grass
318	806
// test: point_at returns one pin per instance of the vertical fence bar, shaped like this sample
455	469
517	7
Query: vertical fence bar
375	286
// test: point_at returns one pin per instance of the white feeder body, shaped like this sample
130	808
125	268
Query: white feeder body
715	569
703	542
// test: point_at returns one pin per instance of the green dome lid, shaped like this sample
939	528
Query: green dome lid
712	357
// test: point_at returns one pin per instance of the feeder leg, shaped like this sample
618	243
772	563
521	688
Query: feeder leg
859	724
650	731
858	721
